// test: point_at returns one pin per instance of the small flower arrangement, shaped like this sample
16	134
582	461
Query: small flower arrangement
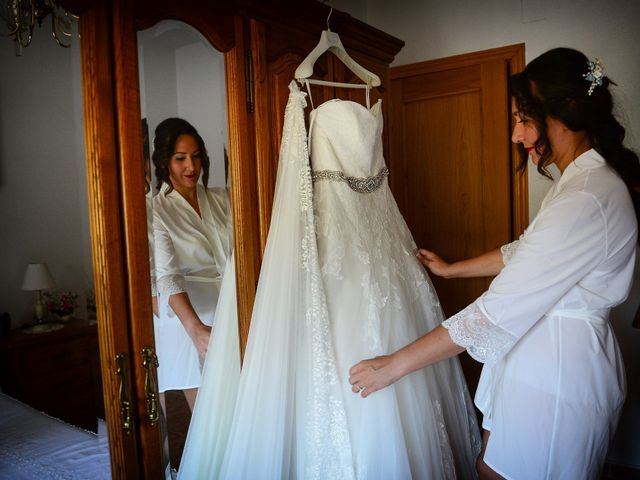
62	304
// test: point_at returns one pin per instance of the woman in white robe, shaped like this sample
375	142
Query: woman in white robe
553	380
192	240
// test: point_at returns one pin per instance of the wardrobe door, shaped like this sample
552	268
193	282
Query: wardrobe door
280	40
225	26
107	237
277	50
224	31
118	212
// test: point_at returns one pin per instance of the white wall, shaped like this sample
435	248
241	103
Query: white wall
608	30
43	189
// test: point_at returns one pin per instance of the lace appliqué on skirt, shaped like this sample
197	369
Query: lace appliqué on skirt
484	340
448	462
508	250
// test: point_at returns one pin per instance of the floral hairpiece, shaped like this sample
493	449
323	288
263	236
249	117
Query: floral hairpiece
594	75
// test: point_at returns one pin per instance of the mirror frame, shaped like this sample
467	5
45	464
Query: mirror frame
117	211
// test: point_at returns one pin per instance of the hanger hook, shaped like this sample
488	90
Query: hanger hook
328	17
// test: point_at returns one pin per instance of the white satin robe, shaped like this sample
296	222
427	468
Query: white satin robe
190	256
553	382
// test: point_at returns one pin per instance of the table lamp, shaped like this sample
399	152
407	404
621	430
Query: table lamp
37	277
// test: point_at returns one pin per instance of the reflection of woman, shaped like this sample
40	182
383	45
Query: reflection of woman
553	381
192	239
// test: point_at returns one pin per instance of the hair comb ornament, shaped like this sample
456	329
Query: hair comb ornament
594	75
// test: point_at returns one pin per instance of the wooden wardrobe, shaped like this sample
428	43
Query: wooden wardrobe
263	43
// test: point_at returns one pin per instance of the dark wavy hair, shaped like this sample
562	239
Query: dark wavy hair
553	85
164	144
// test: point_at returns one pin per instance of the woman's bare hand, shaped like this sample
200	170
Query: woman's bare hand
371	375
197	331
434	263
200	338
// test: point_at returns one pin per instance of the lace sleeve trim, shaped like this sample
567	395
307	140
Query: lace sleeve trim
170	285
472	329
508	250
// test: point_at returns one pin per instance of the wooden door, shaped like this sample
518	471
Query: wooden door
451	163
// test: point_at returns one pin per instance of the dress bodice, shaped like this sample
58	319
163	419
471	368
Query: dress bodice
346	136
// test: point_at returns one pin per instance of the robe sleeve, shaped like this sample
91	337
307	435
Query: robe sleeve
169	278
567	240
508	250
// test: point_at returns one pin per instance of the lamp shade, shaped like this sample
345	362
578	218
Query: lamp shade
37	277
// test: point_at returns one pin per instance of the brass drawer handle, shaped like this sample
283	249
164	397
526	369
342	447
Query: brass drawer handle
150	364
123	393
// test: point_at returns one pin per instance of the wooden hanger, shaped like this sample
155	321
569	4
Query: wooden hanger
331	41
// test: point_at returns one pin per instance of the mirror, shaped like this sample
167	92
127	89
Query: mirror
182	76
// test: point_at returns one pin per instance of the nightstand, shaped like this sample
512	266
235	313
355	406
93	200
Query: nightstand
56	372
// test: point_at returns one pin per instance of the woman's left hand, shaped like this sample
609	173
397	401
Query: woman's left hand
371	375
200	338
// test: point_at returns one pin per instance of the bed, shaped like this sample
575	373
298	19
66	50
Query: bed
34	445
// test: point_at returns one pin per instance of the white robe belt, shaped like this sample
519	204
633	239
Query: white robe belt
594	317
190	278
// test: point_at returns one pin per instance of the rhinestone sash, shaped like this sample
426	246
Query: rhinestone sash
357	184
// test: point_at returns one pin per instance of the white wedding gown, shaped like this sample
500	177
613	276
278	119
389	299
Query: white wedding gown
339	283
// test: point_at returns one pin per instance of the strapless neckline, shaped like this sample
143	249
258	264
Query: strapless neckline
374	110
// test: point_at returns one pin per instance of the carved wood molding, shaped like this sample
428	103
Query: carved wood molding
309	18
243	184
105	224
213	19
271	84
134	215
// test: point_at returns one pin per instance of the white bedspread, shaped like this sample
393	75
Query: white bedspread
34	445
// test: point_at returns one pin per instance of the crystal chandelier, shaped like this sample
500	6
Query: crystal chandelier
21	16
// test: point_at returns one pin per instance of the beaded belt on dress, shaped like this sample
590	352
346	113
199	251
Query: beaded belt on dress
357	184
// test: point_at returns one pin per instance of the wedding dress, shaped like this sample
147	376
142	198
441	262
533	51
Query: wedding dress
339	283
